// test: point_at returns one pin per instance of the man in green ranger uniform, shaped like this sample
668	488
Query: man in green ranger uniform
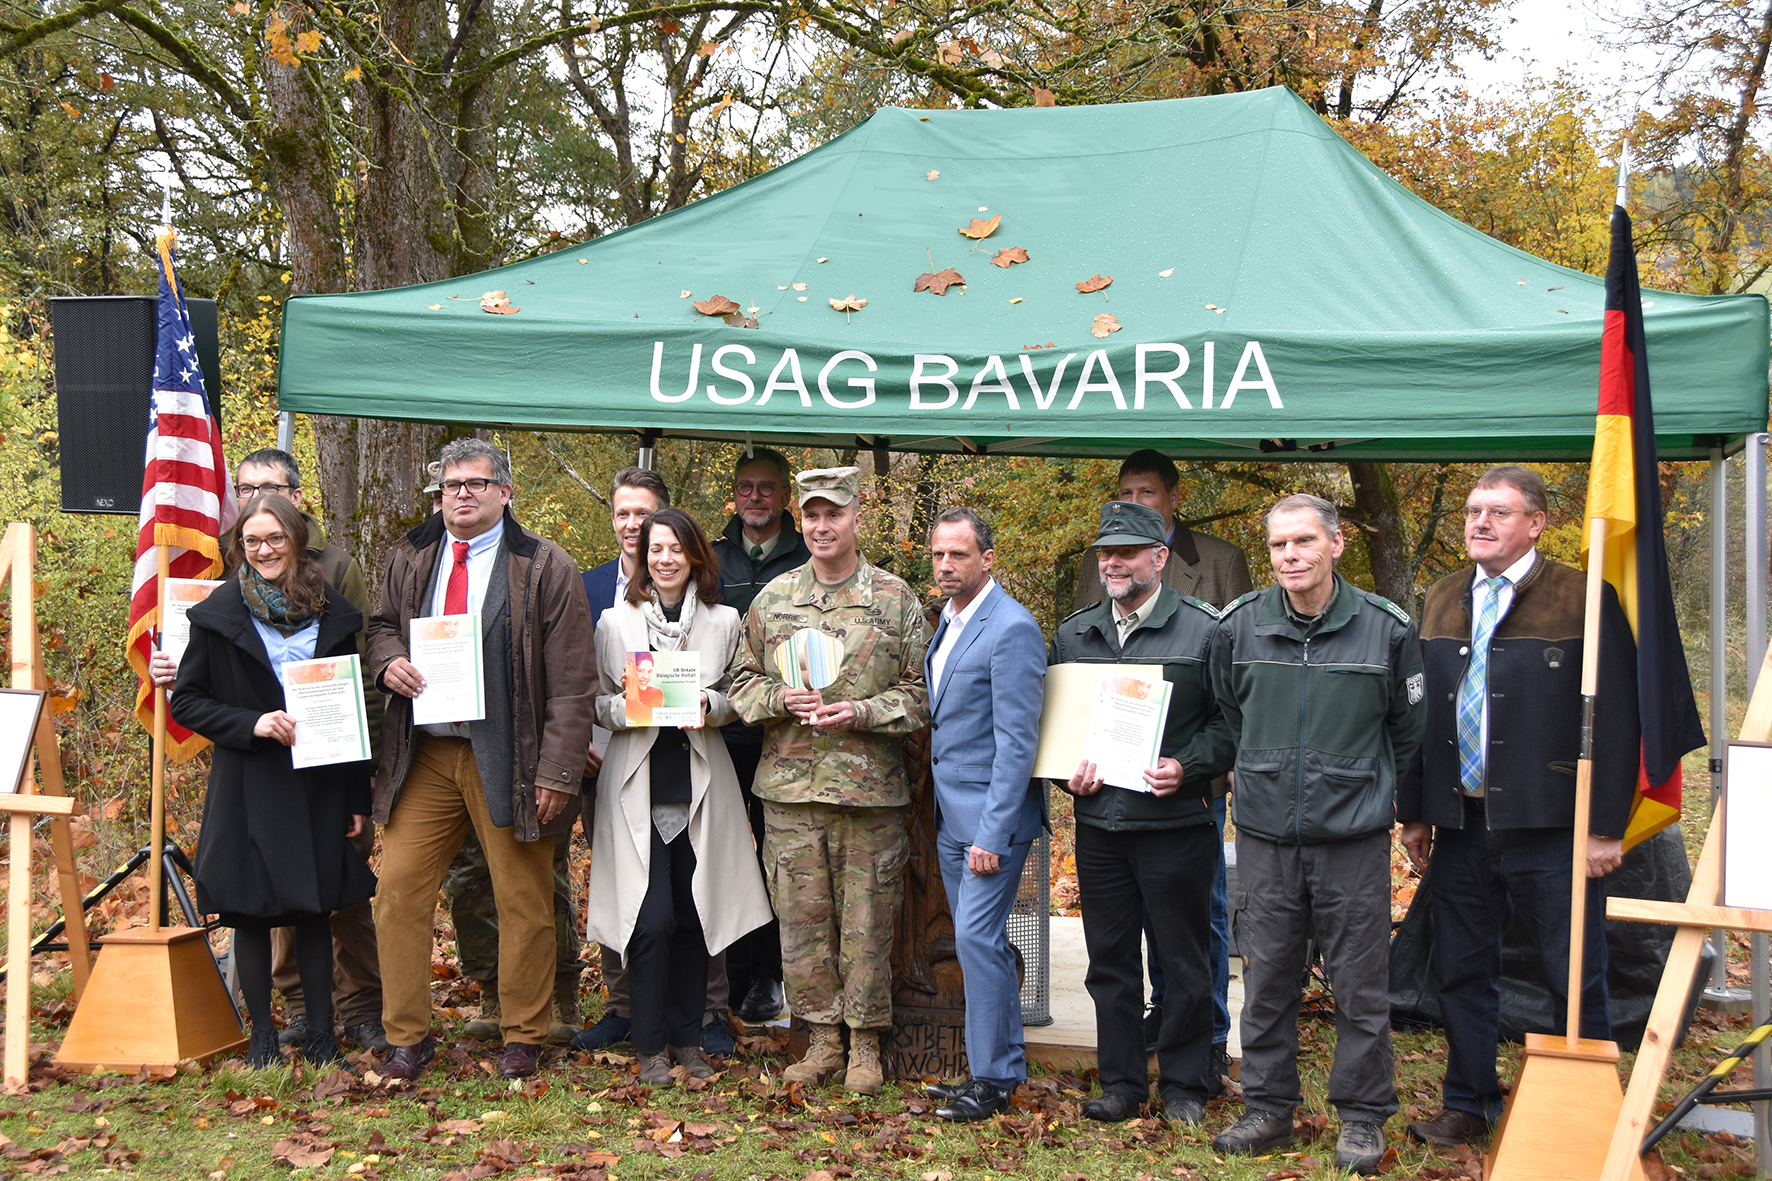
1323	686
832	776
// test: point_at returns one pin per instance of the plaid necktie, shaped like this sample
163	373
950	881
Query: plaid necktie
1472	689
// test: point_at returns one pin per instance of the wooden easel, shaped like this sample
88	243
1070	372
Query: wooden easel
18	556
166	973
1699	913
1566	1095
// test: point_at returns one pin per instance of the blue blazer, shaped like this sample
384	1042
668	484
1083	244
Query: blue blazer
600	587
985	716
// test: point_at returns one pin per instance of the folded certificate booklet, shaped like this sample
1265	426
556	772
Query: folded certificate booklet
325	697
445	649
663	688
1109	714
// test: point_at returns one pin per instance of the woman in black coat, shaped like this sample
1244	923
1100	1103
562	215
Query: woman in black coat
273	851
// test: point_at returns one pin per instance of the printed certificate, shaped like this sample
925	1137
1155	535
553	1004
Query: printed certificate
663	688
1067	717
1125	734
325	697
446	651
175	627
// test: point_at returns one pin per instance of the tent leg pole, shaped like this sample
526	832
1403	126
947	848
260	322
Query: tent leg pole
1719	673
286	432
1755	557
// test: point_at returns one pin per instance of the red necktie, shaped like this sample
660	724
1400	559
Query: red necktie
455	596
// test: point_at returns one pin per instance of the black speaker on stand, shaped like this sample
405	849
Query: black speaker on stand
104	374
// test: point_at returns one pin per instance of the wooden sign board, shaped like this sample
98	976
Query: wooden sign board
1747	787
20	712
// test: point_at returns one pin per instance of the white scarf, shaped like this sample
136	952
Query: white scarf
661	634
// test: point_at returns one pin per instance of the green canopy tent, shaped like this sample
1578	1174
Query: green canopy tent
1274	292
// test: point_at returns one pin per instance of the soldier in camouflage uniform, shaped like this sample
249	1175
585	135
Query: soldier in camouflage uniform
468	888
832	777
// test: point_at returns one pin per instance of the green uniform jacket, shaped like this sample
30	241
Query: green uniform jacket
1177	634
1323	714
884	635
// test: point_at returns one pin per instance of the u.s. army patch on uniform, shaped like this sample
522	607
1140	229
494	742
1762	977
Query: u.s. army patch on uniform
1417	688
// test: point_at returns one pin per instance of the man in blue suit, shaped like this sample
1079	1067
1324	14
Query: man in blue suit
987	676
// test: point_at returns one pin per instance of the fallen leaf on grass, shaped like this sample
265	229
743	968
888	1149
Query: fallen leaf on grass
981	229
1094	283
1007	255
298	1155
849	303
938	282
715	305
1104	324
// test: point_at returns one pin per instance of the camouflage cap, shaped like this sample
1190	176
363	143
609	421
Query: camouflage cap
434	469
839	485
1126	523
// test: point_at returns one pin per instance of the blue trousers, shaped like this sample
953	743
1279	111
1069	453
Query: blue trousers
1479	878
980	906
1220	946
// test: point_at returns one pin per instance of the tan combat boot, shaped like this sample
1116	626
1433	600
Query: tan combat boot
567	1021
824	1058
864	1076
487	1026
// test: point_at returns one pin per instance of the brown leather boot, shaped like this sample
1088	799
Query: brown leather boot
824	1057
864	1076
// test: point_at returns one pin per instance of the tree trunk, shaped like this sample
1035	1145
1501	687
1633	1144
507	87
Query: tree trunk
1380	519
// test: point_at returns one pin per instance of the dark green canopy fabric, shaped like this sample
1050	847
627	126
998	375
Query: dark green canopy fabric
1269	284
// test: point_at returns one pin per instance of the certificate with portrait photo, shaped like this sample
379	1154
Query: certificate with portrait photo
20	711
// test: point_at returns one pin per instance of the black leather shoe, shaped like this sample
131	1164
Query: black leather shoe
520	1060
1219	1070
717	1039
321	1049
1113	1107
1183	1110
980	1100
264	1052
1448	1128
612	1030
408	1062
1153	1025
296	1032
762	1003
946	1091
369	1035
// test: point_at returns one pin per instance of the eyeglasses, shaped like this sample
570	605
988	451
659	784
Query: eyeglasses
1500	516
749	489
273	542
474	487
245	490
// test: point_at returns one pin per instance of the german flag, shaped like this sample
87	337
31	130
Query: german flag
1624	489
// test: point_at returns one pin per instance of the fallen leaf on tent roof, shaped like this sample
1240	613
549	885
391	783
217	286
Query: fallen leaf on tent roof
1220	311
498	303
821	260
1028	348
752	310
740	320
1558	287
1519	283
684	294
849	303
434	306
781	286
1104	324
981	229
1165	274
1044	97
714	305
799	286
1017	299
1212	307
933	172
1009	254
1094	283
583	261
922	118
938	282
984	208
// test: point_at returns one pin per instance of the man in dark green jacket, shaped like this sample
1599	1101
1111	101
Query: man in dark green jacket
1323	687
1149	846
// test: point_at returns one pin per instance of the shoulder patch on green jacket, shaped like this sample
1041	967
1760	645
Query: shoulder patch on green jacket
1381	601
1203	605
1239	602
1078	612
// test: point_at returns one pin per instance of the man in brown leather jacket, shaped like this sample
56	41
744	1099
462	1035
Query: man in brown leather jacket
510	775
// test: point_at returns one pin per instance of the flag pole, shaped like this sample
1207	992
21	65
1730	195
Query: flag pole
157	808
1584	773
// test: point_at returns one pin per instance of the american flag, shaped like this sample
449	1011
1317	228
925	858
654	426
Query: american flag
185	498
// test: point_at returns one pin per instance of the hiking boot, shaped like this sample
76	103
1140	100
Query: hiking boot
694	1060
296	1032
487	1027
864	1076
1449	1128
1257	1132
567	1021
824	1058
655	1069
1360	1147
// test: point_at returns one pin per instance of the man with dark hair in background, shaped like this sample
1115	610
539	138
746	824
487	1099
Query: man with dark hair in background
760	543
1214	571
